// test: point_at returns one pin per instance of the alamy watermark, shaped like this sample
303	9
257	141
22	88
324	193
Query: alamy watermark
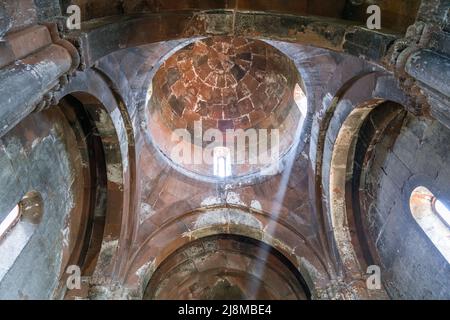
374	11
259	147
75	279
73	22
373	281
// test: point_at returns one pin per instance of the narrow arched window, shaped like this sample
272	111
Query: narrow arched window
300	100
433	216
17	227
222	162
9	221
442	211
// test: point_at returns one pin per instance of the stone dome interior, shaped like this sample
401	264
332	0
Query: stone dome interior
225	83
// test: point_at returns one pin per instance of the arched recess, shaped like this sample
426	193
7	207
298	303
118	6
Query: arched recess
105	105
226	267
87	172
43	175
360	131
412	263
231	220
106	197
348	110
86	228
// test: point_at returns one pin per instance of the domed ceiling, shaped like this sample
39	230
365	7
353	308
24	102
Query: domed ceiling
224	83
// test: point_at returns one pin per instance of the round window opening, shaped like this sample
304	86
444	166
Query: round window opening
226	107
432	214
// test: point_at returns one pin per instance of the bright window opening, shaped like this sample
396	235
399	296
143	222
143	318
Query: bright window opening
17	228
222	162
433	216
301	100
10	220
443	211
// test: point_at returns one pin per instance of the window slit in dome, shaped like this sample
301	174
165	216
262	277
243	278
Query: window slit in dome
222	162
300	100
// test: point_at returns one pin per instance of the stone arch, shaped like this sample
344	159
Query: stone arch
410	154
91	92
226	266
234	220
352	103
342	176
40	170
